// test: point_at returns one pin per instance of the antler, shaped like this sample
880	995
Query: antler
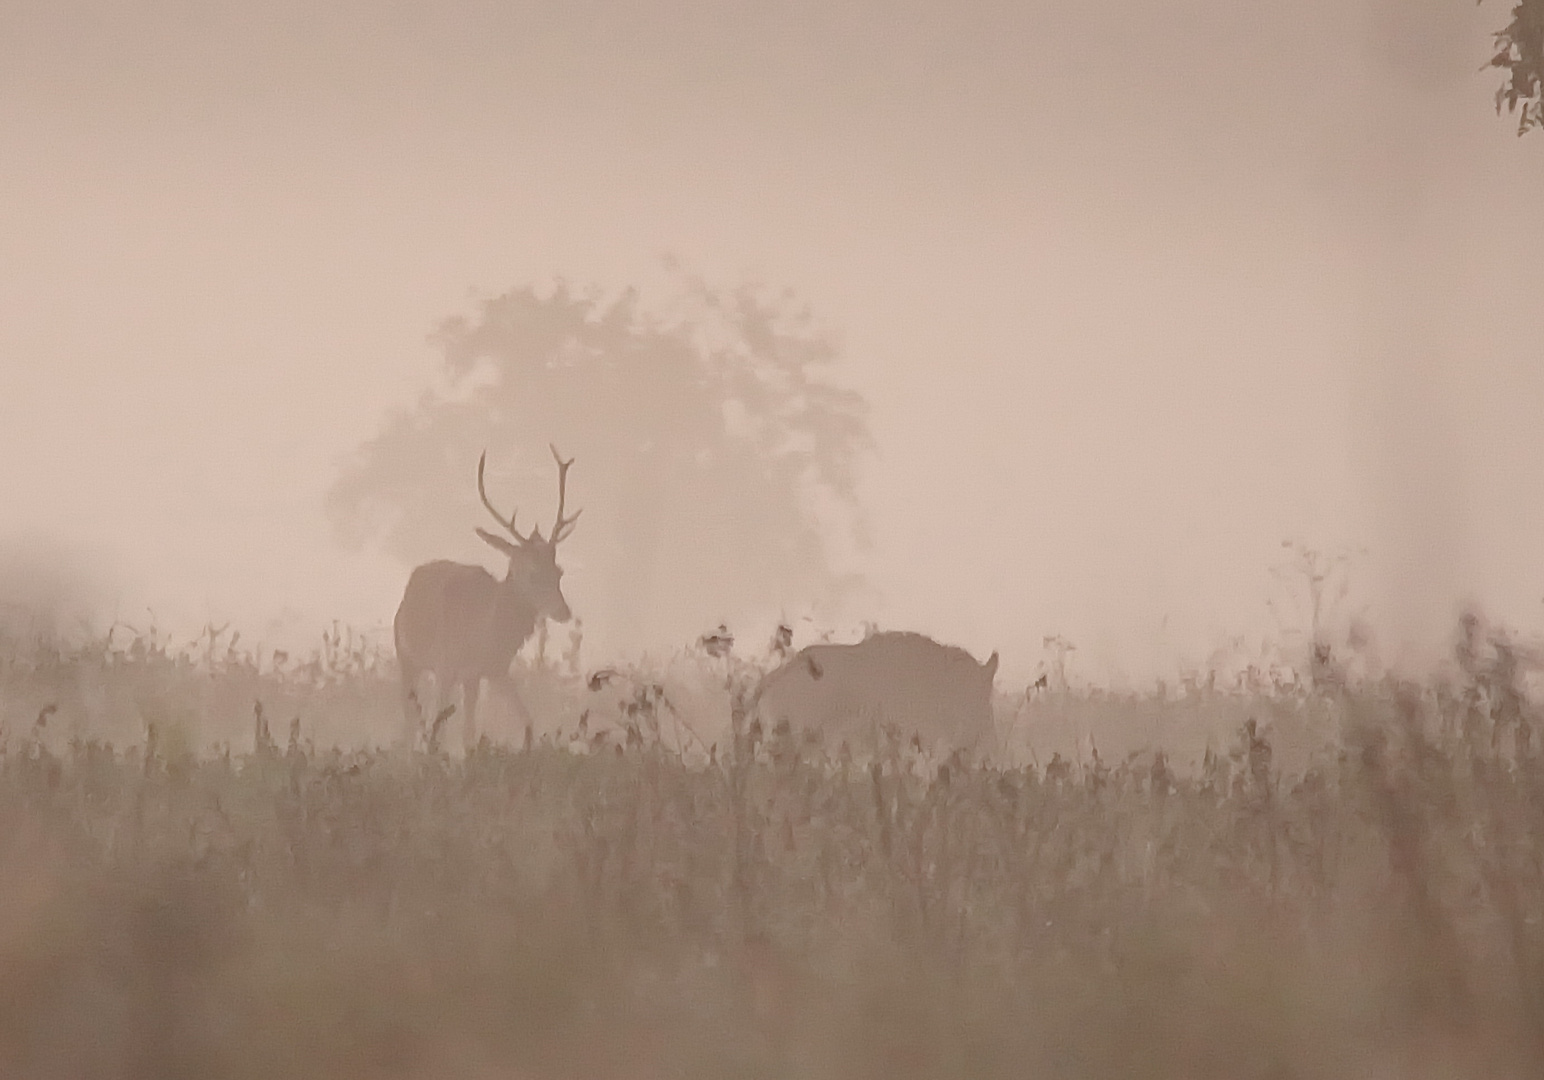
482	463
562	526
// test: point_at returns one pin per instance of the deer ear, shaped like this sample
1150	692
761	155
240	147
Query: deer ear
991	666
499	542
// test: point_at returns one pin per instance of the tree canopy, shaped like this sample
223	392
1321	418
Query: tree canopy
706	443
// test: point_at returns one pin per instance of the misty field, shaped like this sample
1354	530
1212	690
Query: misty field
206	870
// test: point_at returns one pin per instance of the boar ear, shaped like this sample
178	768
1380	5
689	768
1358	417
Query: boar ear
990	667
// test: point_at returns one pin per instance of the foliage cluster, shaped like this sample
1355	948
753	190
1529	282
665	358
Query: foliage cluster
1520	54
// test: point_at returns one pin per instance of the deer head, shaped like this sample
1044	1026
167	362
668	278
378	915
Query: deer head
534	573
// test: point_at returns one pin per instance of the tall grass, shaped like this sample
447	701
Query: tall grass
188	892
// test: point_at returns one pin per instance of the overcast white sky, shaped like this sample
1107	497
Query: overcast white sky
1136	290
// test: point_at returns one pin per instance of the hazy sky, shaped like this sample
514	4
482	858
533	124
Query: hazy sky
1136	289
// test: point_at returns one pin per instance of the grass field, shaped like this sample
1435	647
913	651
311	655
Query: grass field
208	870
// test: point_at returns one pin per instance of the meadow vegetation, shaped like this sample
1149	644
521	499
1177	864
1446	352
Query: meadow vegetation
207	869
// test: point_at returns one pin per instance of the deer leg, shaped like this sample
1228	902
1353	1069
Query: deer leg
470	690
522	714
504	687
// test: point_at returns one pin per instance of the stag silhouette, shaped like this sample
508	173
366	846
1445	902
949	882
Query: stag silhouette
462	625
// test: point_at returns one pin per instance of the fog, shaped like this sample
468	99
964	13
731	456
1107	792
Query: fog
1135	292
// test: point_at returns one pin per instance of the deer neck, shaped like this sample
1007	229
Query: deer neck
514	607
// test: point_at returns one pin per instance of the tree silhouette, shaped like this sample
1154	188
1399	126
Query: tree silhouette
705	442
1520	53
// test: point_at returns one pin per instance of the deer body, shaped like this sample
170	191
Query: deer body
462	624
